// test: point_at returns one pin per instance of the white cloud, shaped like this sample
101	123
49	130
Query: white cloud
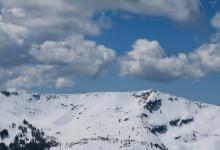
18	12
63	82
28	76
216	21
63	18
148	61
188	10
104	21
21	82
57	64
76	54
53	20
49	23
209	56
15	32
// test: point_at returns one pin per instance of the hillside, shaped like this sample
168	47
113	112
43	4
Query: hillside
109	121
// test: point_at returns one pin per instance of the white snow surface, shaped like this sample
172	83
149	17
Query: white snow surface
115	120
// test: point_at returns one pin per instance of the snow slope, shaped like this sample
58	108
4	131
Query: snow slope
144	120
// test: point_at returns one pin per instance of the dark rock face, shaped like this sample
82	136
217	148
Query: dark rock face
153	105
143	115
179	122
144	95
161	147
186	121
174	122
36	96
172	99
158	129
7	93
191	137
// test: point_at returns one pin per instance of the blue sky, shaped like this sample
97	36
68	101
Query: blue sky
175	38
60	50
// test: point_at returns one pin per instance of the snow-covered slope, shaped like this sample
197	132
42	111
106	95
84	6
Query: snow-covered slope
110	121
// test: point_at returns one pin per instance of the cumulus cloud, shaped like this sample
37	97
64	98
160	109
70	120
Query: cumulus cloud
40	36
55	19
76	54
15	32
62	82
216	21
57	63
148	60
188	10
28	76
18	12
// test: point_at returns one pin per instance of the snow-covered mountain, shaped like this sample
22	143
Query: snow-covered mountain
144	120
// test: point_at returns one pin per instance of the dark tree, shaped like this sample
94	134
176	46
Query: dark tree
3	146
4	134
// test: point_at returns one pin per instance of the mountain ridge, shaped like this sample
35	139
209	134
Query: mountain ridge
147	119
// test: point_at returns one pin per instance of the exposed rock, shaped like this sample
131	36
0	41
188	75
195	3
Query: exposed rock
153	105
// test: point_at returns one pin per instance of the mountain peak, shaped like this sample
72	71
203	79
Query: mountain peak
141	120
